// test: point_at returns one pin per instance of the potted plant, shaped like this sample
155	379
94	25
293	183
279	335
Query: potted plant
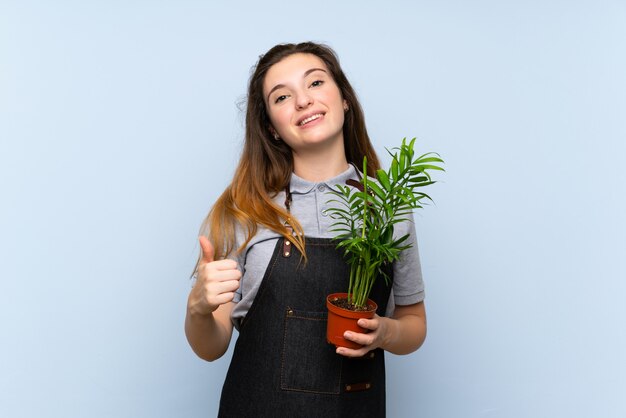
365	216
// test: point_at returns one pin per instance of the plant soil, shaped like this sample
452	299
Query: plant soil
344	304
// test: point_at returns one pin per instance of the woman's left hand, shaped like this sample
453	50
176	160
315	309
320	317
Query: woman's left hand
402	333
377	337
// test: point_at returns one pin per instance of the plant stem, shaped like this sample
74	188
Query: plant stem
365	208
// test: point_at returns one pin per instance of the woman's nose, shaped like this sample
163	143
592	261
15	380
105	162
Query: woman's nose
303	101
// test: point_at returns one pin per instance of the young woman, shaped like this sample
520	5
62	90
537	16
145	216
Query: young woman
268	262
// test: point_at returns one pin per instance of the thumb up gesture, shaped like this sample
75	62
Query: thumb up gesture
216	283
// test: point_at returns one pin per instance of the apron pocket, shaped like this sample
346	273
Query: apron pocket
309	363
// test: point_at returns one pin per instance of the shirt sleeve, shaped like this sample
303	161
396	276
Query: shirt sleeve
408	286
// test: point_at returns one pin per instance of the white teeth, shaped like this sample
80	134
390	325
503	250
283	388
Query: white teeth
310	118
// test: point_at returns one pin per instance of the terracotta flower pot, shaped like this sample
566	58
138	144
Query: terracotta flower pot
341	320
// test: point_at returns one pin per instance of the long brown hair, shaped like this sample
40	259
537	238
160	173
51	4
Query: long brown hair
266	165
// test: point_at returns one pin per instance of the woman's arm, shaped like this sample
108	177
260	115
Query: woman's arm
209	335
402	333
207	324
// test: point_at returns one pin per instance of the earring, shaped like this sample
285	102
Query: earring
345	107
276	137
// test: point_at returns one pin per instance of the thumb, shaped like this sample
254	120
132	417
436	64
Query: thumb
208	252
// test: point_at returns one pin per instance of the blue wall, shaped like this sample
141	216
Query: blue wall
119	127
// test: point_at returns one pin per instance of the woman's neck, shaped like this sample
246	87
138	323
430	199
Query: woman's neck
320	165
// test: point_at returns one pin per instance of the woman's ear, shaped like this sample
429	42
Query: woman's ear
274	133
345	105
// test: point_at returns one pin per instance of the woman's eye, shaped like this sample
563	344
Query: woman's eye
317	83
280	98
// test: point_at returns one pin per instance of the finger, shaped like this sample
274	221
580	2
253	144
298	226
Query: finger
348	352
371	324
362	339
218	271
224	298
224	275
208	252
220	265
225	264
217	288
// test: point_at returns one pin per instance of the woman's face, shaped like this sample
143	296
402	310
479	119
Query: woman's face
303	102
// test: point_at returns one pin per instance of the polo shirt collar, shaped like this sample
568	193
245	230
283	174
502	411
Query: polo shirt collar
302	186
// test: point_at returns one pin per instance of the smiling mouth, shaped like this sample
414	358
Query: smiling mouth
310	119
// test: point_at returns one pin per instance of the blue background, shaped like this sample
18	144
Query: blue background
119	126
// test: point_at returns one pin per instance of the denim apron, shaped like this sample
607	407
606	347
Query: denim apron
282	365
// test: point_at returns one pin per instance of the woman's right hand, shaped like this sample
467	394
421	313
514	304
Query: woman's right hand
216	281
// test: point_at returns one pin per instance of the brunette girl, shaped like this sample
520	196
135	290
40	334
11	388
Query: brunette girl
268	262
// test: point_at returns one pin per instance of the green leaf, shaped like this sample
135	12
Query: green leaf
383	178
394	169
429	160
400	240
422	167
